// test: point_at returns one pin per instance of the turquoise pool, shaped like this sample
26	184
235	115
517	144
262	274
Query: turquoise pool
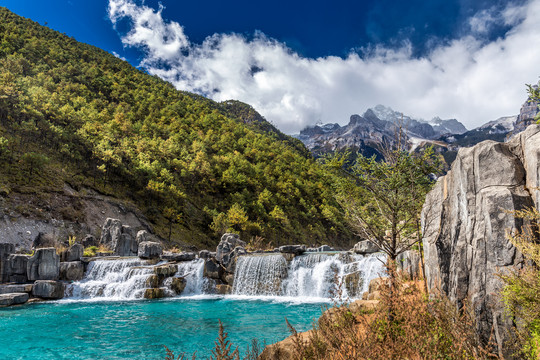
140	329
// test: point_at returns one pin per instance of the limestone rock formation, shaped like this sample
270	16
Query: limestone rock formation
13	299
184	256
6	249
365	247
465	218
150	250
43	265
292	249
228	249
71	270
74	253
119	238
17	268
48	289
178	284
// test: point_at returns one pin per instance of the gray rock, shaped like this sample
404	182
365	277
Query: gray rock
17	268
166	270
6	289
465	222
229	247
71	271
43	240
119	238
325	248
184	256
178	284
150	250
48	289
89	240
13	299
43	265
6	249
365	247
74	253
213	269
142	235
410	262
110	232
293	249
205	254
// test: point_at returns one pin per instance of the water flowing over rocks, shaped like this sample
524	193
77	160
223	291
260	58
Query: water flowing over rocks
465	218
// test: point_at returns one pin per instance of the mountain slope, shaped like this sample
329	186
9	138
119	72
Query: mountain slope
73	114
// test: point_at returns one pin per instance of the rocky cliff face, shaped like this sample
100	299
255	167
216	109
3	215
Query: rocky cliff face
465	219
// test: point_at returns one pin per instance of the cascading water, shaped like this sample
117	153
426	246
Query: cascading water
192	271
313	275
114	279
259	275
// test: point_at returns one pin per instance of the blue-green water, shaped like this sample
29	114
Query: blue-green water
140	329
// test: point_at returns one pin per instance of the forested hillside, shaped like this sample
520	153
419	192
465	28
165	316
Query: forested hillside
72	113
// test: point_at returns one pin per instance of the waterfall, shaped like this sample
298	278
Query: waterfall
259	275
115	279
312	275
309	276
192	271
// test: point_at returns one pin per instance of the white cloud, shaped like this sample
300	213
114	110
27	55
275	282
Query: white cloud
465	79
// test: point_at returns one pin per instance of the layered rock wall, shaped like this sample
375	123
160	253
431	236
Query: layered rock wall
465	220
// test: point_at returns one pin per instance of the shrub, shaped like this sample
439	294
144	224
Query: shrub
414	327
521	293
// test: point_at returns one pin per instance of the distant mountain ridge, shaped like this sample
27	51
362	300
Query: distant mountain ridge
378	125
375	127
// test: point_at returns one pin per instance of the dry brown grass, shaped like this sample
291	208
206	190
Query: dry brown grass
406	325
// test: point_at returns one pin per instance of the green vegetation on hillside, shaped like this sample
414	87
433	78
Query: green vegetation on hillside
72	113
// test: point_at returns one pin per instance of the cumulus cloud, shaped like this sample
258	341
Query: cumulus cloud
466	78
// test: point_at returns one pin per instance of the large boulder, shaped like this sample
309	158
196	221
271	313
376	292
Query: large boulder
43	265
150	250
17	268
292	249
119	238
178	284
13	299
228	249
465	219
89	240
213	269
73	253
183	256
365	247
48	289
6	249
72	270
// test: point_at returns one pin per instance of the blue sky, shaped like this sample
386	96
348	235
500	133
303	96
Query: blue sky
301	62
